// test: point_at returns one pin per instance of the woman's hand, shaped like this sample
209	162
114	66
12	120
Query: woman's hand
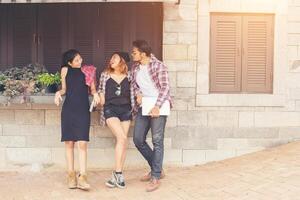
57	98
102	99
96	98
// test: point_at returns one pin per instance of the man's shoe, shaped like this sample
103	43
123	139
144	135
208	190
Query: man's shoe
147	177
82	182
153	185
72	182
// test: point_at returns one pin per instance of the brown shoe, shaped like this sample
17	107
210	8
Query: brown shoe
147	177
72	182
82	182
153	185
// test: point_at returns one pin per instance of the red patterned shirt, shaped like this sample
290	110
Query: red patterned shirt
90	74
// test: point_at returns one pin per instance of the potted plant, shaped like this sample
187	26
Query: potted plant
3	78
50	81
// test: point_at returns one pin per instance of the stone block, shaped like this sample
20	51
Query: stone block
32	117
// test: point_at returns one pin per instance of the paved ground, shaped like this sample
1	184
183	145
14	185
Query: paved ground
268	175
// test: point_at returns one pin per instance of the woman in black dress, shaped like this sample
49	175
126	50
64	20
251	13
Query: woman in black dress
75	115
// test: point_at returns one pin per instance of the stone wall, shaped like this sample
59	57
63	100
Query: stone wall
203	127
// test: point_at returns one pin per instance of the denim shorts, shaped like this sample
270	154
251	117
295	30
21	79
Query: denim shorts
123	112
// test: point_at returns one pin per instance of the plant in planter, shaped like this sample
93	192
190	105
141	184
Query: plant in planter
21	81
50	81
3	78
22	88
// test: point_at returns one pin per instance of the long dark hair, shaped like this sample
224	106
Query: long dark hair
69	56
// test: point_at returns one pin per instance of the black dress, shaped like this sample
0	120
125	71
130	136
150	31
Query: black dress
75	115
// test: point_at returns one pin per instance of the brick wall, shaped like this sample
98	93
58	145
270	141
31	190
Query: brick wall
203	127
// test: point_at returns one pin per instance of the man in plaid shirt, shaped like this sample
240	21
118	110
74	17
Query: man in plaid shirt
149	78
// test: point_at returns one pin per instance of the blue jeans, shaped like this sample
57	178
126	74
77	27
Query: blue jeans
153	156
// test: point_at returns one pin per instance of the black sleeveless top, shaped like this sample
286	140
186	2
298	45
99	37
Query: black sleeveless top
117	94
75	115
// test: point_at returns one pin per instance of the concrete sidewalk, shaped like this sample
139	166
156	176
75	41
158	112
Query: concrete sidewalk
268	175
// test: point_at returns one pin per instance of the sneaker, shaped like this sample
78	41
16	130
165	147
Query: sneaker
153	185
120	182
72	182
147	177
112	182
82	182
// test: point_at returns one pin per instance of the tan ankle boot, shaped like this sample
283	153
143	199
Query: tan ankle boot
82	182
72	182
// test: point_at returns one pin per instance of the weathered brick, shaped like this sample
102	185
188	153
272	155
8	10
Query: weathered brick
186	79
52	117
2	158
256	133
187	12
246	119
95	118
187	38
172	119
101	132
12	141
181	65
193	138
28	155
170	38
222	119
38	141
193	157
192	52
7	116
192	118
180	26
289	132
102	143
276	119
216	155
175	52
34	117
14	129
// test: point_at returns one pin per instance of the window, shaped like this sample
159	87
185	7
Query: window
241	53
40	33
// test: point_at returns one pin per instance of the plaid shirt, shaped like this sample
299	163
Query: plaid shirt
159	75
102	84
90	74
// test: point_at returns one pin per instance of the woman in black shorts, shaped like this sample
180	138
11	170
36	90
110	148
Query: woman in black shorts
115	98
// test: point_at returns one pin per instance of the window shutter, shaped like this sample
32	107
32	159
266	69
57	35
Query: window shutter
22	35
51	31
225	55
114	24
257	63
149	25
3	37
82	25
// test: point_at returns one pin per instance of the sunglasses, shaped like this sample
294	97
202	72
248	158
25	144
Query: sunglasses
118	91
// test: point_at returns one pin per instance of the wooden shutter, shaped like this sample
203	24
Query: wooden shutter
82	36
22	34
225	55
52	35
257	65
3	36
149	18
114	23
